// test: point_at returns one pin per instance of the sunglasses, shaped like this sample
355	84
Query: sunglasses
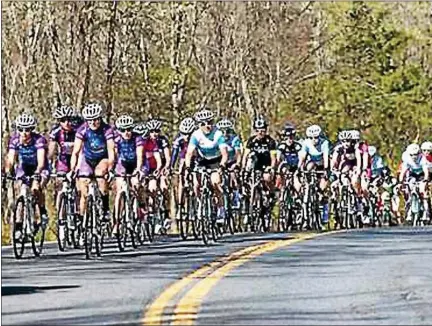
206	123
155	130
313	137
65	120
93	120
125	129
261	130
25	129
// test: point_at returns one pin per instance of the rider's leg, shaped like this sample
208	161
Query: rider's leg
101	169
425	195
216	182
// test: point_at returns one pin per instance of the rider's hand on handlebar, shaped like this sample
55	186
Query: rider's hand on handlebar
110	176
70	175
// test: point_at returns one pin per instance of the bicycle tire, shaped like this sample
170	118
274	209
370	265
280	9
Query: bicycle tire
18	246
120	218
62	228
38	238
183	208
133	218
88	228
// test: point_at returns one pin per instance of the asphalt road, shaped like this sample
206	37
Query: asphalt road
373	276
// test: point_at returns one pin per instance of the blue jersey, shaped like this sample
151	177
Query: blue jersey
233	144
126	148
95	141
316	152
208	145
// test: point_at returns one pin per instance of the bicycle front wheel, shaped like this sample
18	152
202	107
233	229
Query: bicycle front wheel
38	238
62	229
17	234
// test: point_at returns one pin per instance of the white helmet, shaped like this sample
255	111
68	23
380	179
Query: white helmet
154	124
63	111
372	150
313	131
204	115
141	129
260	123
92	111
426	146
355	134
345	135
124	122
187	126
225	124
25	120
413	149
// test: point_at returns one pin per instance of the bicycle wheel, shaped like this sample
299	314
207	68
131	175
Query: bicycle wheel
62	228
184	215
88	228
193	218
120	218
132	221
19	214
38	238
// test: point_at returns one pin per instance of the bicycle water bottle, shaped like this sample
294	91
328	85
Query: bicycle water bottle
325	216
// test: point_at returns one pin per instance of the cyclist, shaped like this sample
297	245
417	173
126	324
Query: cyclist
180	145
362	169
130	156
154	127
260	152
315	153
343	158
61	139
28	149
95	139
426	148
415	166
288	156
209	144
376	163
234	147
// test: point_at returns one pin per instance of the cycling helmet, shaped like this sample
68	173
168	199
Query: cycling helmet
154	124
426	146
225	124
204	115
372	150
313	131
260	123
92	111
141	129
124	122
355	134
413	149
289	130
64	111
187	126
344	135
25	120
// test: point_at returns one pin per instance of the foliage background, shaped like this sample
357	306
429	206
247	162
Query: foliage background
363	64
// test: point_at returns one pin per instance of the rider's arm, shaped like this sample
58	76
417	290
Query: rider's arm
246	152
140	155
302	155
272	148
404	169
52	145
41	147
175	153
111	153
365	159
78	144
223	147
193	143
167	154
426	172
10	160
326	153
334	160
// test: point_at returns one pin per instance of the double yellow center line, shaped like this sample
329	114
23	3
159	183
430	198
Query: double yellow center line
186	310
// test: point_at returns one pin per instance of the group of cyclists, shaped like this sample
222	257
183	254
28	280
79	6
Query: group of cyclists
84	144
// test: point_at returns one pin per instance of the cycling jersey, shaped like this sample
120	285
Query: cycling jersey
315	153
233	144
162	143
179	149
377	165
345	156
290	153
126	152
150	147
65	139
414	166
208	145
95	142
262	148
27	153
